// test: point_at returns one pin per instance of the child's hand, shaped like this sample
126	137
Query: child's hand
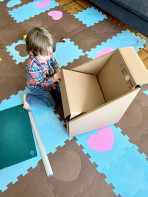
57	76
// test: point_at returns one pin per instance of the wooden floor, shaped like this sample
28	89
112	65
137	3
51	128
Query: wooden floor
74	6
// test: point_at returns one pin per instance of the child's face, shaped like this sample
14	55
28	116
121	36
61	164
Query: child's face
46	56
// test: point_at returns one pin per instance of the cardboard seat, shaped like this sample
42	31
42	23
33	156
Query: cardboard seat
97	93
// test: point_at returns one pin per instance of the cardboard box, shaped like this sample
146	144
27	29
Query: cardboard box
97	93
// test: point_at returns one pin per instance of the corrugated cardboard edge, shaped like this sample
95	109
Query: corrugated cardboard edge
105	115
64	95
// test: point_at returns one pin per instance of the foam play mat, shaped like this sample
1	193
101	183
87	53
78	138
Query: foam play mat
106	162
16	138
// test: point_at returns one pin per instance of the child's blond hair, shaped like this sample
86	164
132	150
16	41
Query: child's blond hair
38	41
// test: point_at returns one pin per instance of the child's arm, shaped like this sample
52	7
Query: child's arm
57	76
36	76
54	64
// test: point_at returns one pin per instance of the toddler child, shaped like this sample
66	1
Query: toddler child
43	72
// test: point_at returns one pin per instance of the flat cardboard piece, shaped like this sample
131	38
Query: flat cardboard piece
107	114
82	93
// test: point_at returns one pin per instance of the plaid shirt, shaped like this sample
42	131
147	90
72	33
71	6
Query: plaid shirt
39	74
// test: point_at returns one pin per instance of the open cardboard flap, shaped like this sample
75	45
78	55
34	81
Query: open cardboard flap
122	73
82	93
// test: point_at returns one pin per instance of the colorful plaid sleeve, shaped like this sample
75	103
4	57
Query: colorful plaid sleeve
37	76
54	64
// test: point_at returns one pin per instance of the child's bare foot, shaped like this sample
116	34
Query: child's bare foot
26	105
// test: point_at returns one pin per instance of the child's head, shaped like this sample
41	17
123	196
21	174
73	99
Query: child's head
39	42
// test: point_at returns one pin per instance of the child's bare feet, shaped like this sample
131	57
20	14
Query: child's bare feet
26	105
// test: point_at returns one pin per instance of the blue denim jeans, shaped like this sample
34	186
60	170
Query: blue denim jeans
41	98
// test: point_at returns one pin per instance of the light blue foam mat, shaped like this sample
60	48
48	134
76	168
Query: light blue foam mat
129	175
30	10
104	159
52	132
90	16
12	3
125	168
66	52
123	39
14	100
14	53
146	92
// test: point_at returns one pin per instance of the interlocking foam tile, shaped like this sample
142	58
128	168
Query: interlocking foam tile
103	159
90	16
106	29
98	187
123	39
30	10
142	144
12	3
72	171
77	62
14	100
15	54
142	96
1	46
33	184
67	26
52	132
8	30
13	78
134	122
129	175
50	128
146	92
3	8
68	50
